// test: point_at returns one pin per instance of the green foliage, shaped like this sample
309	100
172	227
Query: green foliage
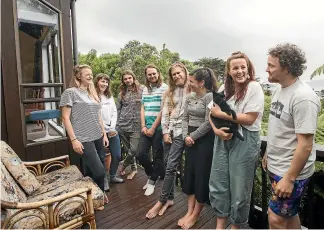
318	71
134	56
216	64
319	136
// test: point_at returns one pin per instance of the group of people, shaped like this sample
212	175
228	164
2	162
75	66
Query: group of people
176	118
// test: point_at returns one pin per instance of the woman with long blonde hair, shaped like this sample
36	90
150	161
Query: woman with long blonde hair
173	143
81	114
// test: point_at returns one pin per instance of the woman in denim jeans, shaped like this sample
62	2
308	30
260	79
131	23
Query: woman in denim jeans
109	117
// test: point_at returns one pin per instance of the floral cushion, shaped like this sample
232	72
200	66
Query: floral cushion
18	170
67	213
10	191
57	178
97	194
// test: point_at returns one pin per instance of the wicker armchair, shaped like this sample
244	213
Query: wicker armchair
48	211
45	194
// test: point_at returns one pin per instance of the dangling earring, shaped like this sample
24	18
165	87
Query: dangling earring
248	77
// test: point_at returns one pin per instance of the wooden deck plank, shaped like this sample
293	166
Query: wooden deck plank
128	206
141	222
170	211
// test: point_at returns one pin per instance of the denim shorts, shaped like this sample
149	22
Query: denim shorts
287	207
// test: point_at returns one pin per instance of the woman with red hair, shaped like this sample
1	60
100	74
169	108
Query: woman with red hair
234	161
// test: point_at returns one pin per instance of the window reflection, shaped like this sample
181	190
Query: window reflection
39	38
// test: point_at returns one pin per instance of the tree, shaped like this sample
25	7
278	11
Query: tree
318	71
135	56
216	64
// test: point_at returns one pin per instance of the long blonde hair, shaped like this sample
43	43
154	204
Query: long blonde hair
75	81
172	86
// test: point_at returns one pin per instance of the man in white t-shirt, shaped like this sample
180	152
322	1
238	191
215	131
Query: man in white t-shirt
291	153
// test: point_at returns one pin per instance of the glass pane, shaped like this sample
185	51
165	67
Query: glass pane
41	92
43	122
39	42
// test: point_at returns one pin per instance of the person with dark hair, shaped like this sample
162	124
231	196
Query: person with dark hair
128	119
199	140
173	144
290	155
234	161
109	117
151	135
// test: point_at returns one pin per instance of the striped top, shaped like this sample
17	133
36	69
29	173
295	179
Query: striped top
172	117
152	102
84	114
129	111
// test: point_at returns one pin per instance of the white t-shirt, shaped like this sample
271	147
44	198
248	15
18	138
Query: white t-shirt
293	110
109	113
253	101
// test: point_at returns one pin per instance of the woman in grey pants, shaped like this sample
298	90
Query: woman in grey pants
234	161
172	111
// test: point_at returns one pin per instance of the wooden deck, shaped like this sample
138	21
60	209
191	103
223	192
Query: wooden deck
128	205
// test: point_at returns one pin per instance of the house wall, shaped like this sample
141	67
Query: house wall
12	113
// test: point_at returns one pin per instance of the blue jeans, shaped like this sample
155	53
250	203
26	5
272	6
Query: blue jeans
114	146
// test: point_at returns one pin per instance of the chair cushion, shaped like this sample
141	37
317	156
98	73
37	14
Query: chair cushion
10	191
18	170
67	213
97	194
57	178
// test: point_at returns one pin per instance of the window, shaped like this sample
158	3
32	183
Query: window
41	70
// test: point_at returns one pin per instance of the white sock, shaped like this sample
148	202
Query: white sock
150	189
145	186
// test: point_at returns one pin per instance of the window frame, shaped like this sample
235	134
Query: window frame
22	86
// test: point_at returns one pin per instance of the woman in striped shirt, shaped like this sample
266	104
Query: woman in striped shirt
81	115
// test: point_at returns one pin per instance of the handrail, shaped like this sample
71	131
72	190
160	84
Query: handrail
264	203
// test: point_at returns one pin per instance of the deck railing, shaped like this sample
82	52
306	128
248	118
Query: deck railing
258	217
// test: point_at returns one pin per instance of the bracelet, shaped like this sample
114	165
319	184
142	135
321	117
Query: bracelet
73	139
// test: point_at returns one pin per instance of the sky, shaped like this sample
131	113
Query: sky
205	28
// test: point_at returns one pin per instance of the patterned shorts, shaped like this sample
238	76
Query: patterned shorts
287	207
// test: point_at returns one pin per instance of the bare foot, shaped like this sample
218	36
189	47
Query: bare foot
183	219
131	175
190	221
169	203
154	211
100	208
106	200
121	168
